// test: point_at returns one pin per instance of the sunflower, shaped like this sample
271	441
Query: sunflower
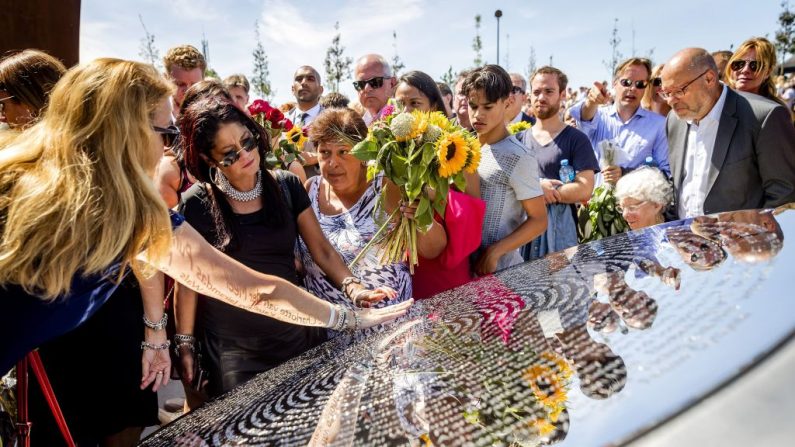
559	365
543	426
473	156
546	385
439	120
451	150
402	126
518	127
419	125
296	136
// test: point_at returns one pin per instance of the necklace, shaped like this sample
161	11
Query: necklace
241	196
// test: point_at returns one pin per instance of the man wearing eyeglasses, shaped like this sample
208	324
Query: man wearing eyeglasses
374	82
517	99
728	150
635	132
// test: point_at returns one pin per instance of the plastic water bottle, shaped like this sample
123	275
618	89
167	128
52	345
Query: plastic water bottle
650	162
566	171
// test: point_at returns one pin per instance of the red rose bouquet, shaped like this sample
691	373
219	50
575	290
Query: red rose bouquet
273	120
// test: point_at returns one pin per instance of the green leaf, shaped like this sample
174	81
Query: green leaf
424	206
440	201
365	150
289	158
272	160
460	181
399	169
428	153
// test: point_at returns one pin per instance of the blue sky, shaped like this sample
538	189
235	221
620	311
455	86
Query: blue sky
431	35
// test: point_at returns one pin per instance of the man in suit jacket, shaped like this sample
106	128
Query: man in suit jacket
727	150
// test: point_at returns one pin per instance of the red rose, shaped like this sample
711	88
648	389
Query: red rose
274	116
259	106
305	131
286	124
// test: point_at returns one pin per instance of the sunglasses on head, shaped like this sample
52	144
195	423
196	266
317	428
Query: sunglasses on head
640	85
168	134
739	65
248	144
376	82
516	90
656	82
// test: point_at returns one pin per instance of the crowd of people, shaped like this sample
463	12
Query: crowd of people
236	267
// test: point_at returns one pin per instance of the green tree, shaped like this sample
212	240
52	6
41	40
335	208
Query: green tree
477	44
148	51
449	77
785	36
338	66
397	64
259	80
615	55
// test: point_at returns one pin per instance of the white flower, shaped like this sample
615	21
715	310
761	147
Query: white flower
432	133
401	126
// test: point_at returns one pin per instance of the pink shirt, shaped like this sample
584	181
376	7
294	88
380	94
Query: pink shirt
463	222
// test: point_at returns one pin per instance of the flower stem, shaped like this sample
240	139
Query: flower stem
374	240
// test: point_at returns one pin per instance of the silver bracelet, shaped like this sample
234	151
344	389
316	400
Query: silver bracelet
159	326
357	321
184	338
346	283
341	319
146	345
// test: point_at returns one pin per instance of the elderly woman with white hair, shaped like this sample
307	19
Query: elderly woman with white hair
643	196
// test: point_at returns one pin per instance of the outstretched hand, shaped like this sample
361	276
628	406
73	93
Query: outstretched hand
374	317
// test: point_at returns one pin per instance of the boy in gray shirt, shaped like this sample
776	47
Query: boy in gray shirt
509	180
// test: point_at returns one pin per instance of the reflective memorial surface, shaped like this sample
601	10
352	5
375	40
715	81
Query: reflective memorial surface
592	346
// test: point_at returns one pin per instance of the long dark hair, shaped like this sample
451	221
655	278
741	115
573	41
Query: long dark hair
198	125
425	84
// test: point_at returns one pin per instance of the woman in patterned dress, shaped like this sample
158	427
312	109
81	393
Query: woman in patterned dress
343	200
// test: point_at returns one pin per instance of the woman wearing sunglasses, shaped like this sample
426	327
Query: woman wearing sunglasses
750	67
253	215
651	98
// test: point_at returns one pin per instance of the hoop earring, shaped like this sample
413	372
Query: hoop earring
213	171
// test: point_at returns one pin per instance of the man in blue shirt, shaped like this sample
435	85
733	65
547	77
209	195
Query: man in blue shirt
636	133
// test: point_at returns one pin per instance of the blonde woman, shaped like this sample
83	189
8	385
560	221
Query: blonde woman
651	98
78	207
750	68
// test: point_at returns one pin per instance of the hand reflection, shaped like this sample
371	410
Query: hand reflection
748	235
696	251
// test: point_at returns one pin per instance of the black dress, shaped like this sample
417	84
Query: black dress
95	372
239	344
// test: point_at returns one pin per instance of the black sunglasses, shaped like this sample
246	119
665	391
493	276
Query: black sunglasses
640	85
248	144
517	90
168	134
657	82
739	65
376	82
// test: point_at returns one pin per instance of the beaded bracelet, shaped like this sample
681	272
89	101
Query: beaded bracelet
159	326
146	345
341	320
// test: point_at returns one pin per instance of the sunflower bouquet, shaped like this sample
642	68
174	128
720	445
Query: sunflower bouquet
422	153
519	126
288	149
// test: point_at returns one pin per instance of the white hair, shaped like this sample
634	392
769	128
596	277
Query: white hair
645	184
